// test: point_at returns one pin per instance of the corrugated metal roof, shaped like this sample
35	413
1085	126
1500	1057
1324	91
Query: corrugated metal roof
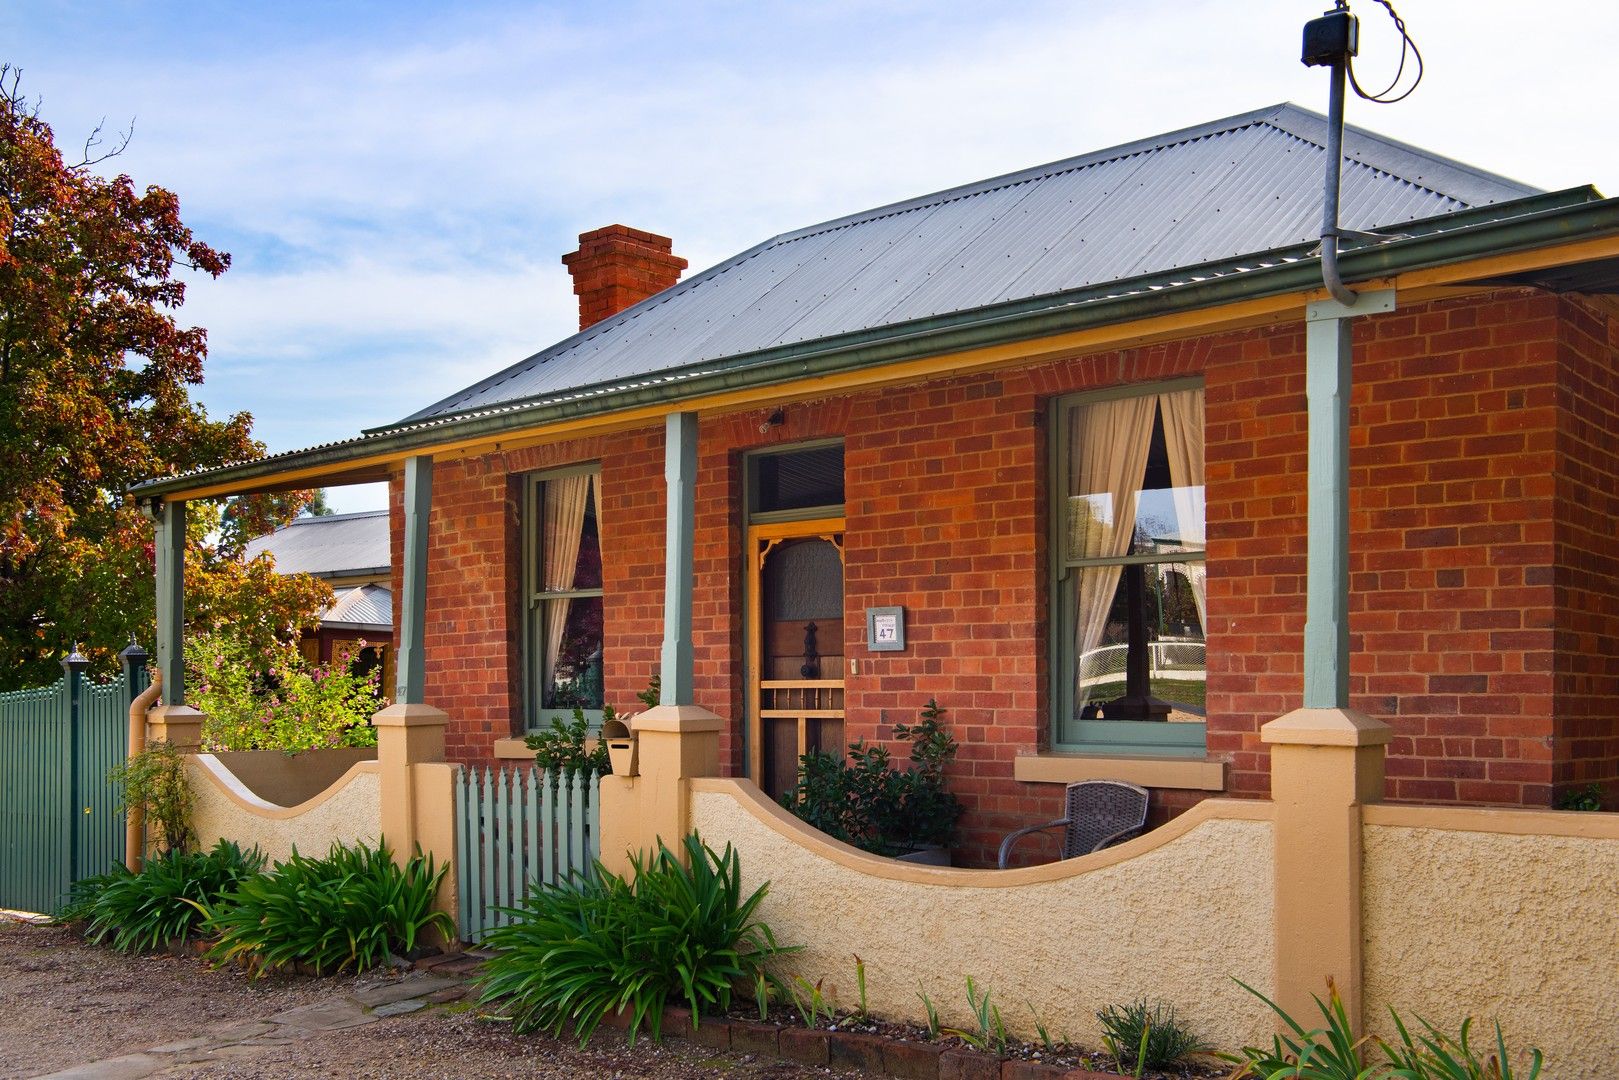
330	546
1231	188
364	607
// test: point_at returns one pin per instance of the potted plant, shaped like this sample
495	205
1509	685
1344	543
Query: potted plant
863	800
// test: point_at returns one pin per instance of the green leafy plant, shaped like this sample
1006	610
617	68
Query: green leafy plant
930	1009
154	782
811	1004
349	910
671	931
1331	1052
653	694
567	748
1586	798
991	1029
863	800
134	911
763	992
1041	1028
1434	1055
268	697
860	984
1148	1036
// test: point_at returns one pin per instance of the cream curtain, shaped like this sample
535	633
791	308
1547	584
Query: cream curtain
563	529
1108	445
1183	437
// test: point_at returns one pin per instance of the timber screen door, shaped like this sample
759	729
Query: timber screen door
795	611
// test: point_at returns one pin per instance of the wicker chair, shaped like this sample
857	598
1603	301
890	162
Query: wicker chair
1100	813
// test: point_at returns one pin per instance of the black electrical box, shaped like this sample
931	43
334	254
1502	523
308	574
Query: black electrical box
1333	37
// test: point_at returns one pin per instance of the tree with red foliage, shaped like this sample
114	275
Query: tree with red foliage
94	378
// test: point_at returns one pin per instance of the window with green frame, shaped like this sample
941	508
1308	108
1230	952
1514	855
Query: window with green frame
562	594
1128	584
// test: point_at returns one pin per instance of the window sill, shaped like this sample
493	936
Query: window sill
512	750
1197	774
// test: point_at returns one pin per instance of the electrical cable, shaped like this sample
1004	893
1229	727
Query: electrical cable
1406	45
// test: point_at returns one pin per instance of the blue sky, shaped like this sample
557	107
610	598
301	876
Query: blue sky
397	182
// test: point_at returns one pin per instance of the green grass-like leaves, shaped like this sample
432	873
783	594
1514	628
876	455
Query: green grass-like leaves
671	933
349	910
163	902
1333	1052
1147	1036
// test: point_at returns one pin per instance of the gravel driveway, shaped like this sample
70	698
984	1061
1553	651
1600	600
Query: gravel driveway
65	1004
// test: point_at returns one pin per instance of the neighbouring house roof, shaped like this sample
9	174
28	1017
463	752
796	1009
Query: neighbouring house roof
1233	187
363	607
333	546
1192	220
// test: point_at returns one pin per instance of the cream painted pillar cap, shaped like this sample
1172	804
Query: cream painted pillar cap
409	716
1326	727
677	718
174	714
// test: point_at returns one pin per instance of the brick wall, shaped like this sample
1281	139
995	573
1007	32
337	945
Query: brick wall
1587	540
1456	618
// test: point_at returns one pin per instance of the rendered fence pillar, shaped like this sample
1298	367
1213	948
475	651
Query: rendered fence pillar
408	735
677	743
178	725
1325	765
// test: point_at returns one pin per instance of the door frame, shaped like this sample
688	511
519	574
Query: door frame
770	534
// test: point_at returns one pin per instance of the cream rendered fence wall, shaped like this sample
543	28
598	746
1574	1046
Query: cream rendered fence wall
1502	914
1173	915
349	810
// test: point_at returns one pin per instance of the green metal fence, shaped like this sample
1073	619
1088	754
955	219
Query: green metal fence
515	827
59	818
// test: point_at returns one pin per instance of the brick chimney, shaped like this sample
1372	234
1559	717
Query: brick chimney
617	267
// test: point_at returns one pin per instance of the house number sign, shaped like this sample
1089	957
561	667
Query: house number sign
885	629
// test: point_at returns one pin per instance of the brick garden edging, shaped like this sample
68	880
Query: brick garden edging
876	1054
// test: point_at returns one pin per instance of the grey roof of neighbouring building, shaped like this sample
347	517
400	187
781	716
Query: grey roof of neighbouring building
362	607
337	545
1227	189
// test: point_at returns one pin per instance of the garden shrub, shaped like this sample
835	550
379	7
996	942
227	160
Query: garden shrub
349	910
271	698
562	747
1147	1036
162	902
154	782
670	933
863	800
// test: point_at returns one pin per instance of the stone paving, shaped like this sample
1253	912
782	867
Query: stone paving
434	981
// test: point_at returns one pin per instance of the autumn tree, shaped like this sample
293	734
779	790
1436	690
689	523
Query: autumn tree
95	374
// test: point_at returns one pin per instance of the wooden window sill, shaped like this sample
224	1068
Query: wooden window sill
1197	774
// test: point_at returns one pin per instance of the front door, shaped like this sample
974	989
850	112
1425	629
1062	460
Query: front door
795	647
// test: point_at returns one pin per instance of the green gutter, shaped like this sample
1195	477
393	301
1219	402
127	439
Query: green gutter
957	332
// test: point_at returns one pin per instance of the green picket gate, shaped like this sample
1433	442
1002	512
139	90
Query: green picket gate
516	828
59	817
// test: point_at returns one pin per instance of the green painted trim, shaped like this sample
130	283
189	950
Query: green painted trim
170	544
410	666
532	616
809	513
1097	736
677	662
1130	736
1548	219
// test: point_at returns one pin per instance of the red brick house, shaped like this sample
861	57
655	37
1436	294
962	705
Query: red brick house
1035	447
